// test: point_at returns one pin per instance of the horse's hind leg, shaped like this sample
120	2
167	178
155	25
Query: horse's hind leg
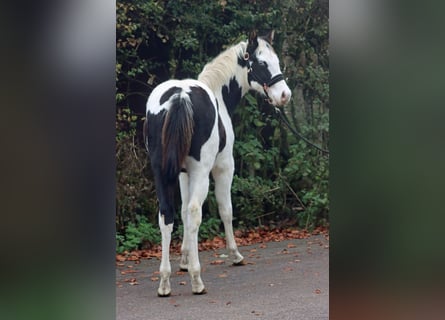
165	268
183	183
199	187
165	193
223	176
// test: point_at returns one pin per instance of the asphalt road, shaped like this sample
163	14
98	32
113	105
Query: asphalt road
281	280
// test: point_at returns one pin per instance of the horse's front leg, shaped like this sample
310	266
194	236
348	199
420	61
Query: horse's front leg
223	176
164	289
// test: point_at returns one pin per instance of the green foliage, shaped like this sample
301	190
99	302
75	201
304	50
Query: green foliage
278	178
210	228
251	198
138	235
311	175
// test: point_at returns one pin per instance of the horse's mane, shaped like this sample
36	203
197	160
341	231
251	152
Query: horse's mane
223	67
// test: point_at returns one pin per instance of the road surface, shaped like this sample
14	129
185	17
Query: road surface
280	280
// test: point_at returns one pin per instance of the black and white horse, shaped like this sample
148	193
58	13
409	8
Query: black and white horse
188	134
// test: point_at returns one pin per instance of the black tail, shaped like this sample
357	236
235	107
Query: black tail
176	137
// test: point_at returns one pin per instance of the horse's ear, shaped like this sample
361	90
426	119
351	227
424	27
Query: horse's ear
253	42
252	36
269	37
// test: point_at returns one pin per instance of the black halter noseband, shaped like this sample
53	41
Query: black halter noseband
274	80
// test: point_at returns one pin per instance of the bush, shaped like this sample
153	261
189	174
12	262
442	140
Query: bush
139	235
279	179
135	193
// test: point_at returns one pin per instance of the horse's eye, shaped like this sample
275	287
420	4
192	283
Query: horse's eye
261	63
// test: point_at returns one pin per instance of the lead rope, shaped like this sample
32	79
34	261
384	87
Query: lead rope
284	119
282	115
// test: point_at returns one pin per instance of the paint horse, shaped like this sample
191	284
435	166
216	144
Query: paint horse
188	133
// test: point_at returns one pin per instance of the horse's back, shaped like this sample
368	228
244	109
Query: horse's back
167	89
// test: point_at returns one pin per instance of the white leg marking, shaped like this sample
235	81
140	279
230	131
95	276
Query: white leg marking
194	267
223	182
165	268
199	187
183	183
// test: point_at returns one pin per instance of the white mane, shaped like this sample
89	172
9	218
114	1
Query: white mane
216	73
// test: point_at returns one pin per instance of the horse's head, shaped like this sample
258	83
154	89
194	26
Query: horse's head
264	73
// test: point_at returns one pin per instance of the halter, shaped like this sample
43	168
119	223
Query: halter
266	85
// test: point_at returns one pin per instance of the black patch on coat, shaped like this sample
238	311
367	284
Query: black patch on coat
154	125
231	95
222	135
167	94
260	72
221	130
242	62
204	118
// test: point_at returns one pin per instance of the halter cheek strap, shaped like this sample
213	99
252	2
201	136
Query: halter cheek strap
268	84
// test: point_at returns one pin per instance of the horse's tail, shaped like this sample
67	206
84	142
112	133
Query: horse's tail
176	137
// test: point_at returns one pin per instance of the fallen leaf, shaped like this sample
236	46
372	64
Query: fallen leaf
120	258
154	278
317	291
173	302
132	281
182	283
238	233
291	245
130	271
287	269
216	262
222	275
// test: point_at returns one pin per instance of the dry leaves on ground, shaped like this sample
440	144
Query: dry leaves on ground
242	238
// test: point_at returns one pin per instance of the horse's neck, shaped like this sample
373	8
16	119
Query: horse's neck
227	78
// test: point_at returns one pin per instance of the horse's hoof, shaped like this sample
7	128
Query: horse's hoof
164	292
164	295
203	291
240	263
